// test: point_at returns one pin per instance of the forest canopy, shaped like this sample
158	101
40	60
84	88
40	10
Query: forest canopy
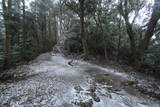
125	31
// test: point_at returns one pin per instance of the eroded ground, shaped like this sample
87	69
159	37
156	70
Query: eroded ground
51	82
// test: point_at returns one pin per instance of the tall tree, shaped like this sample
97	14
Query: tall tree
125	9
7	15
83	36
100	25
82	8
24	27
150	29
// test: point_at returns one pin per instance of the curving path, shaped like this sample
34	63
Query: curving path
54	83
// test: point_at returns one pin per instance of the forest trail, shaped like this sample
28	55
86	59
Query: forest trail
54	83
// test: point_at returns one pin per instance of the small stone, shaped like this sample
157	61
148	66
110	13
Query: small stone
106	74
17	98
78	89
88	103
92	89
95	97
21	75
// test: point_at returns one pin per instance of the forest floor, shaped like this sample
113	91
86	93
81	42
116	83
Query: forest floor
147	83
49	81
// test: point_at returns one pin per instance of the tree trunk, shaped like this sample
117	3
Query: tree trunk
83	37
131	35
55	27
7	10
84	41
49	24
123	11
60	17
103	39
24	29
150	30
119	40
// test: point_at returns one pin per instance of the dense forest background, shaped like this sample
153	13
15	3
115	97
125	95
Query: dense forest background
125	31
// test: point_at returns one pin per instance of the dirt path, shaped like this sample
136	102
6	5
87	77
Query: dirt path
54	83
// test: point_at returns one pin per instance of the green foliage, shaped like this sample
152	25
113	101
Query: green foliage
16	54
32	31
88	5
152	59
111	31
73	41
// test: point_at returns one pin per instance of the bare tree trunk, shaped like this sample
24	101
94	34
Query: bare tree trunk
84	41
103	38
24	29
119	45
55	27
49	24
61	8
131	35
150	30
119	39
83	37
17	7
7	10
123	11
